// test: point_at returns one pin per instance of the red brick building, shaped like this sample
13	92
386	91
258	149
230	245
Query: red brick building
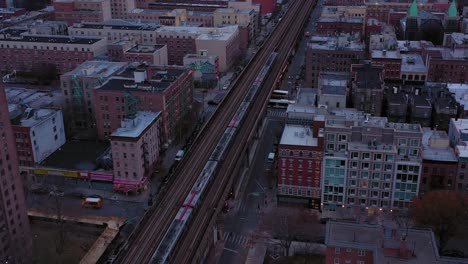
440	164
16	242
446	64
146	88
83	10
35	52
335	53
344	2
391	60
333	25
300	155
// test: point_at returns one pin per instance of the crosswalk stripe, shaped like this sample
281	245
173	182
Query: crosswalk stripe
236	238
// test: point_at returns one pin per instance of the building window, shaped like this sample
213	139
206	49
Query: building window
336	261
360	262
361	252
337	250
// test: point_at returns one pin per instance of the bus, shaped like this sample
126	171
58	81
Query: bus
279	103
279	94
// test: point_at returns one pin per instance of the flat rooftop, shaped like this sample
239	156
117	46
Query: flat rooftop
36	117
460	124
13	31
388	54
306	96
53	39
34	99
462	151
202	33
145	48
460	92
116	26
133	128
333	83
298	136
358	146
341	42
357	20
128	84
103	69
412	63
385	243
434	147
76	155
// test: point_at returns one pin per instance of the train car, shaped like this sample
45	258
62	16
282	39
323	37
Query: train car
192	201
164	250
223	144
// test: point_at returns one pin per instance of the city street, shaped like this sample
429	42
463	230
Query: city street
295	68
241	222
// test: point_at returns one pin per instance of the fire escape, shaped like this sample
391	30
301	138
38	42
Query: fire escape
78	104
131	105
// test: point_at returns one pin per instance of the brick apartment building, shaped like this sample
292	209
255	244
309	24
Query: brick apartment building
120	8
461	182
16	242
367	87
446	64
144	33
189	5
33	52
370	162
439	162
267	6
222	42
381	243
332	25
391	60
76	11
146	88
77	86
151	54
300	154
331	54
135	151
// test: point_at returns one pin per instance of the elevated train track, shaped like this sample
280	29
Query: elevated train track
142	244
205	217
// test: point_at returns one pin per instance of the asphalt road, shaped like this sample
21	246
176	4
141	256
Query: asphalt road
240	224
294	69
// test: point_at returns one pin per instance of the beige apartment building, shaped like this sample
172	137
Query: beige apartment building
344	11
222	42
241	17
140	33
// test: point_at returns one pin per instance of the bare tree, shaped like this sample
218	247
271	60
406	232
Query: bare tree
285	225
56	210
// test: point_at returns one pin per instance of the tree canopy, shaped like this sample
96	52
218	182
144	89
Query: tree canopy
443	211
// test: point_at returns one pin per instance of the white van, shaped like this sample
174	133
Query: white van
271	157
179	155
